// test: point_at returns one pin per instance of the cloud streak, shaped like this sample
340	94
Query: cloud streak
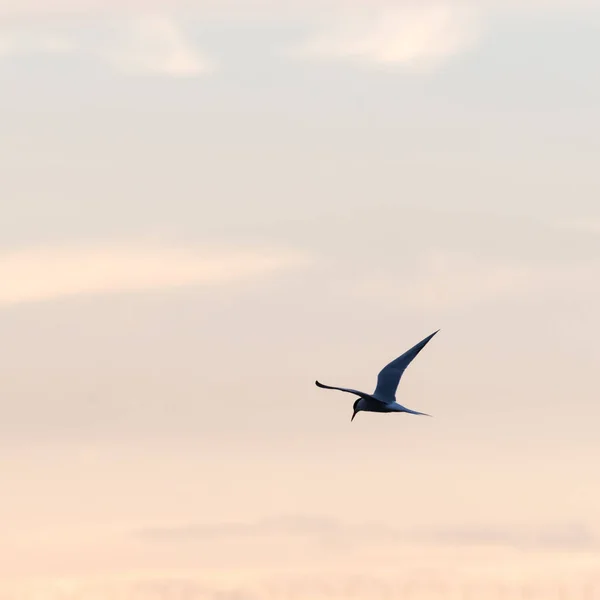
428	585
249	9
416	37
435	564
284	525
143	44
569	536
23	41
156	45
42	274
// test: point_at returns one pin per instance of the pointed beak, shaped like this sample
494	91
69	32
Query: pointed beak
353	415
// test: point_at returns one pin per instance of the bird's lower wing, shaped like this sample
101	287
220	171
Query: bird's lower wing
340	389
389	377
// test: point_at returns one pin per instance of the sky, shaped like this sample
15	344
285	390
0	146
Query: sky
208	205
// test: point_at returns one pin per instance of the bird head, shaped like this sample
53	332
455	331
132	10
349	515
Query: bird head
355	409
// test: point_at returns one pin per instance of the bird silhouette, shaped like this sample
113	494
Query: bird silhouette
383	399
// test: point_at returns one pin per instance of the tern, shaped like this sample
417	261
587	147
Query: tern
383	399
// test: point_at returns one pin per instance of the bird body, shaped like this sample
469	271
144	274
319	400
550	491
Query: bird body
383	399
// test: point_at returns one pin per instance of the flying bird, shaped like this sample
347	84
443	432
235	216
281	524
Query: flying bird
383	399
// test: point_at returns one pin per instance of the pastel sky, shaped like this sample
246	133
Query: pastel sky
208	205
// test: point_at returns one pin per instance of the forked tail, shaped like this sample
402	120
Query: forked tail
414	412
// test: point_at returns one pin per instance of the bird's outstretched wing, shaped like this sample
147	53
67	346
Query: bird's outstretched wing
350	391
389	377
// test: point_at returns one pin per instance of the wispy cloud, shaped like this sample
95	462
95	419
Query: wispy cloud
436	564
565	536
156	45
250	8
569	536
138	45
417	37
21	40
33	275
284	525
429	584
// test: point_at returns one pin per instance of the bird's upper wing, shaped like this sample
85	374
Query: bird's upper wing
389	377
